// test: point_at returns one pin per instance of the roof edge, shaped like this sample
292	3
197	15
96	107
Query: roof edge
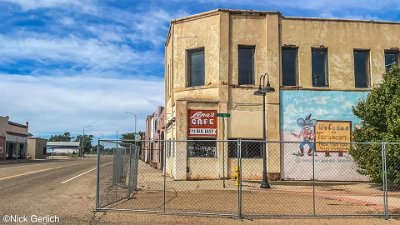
339	20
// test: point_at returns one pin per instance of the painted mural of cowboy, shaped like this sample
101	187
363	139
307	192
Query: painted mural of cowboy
307	133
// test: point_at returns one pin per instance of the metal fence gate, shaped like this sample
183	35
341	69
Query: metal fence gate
117	171
213	177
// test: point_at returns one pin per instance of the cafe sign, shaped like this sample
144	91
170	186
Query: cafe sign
332	136
202	123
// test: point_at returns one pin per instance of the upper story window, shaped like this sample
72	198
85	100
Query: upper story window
391	58
246	64
289	66
320	76
195	67
361	68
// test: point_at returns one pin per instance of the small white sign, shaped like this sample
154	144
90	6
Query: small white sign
206	131
137	137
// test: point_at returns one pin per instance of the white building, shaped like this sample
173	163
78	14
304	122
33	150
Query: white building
60	148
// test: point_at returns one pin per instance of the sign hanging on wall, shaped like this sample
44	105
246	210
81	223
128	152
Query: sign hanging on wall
335	134
202	123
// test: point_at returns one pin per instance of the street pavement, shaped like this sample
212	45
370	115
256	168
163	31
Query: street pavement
62	191
48	189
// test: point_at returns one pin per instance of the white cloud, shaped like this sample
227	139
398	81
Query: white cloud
59	103
67	21
321	100
144	26
90	53
84	5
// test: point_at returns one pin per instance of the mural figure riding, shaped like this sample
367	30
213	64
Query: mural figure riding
307	133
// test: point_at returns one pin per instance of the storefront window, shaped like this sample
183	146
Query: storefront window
205	149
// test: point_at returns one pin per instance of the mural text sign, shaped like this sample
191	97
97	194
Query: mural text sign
332	136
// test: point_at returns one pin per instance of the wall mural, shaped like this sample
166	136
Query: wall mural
308	135
309	118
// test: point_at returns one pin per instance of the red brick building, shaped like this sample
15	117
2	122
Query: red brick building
152	147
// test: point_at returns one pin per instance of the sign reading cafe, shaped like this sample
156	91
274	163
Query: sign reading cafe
202	123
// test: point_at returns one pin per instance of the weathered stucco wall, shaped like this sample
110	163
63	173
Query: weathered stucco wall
341	38
220	32
17	129
36	147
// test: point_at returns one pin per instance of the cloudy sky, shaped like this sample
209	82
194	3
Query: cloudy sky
67	64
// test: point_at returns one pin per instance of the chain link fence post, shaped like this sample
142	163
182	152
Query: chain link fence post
384	182
166	146
130	172
98	176
239	164
313	182
136	164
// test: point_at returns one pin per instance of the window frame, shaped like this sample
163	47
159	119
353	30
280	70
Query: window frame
368	66
188	66
253	47
388	51
296	48
326	67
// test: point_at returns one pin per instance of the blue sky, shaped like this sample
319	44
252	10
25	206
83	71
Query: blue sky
66	64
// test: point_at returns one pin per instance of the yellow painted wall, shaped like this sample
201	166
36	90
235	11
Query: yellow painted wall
220	32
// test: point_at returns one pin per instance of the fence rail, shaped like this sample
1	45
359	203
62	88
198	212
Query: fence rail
213	177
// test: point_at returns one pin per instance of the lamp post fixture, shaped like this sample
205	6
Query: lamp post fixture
135	118
262	91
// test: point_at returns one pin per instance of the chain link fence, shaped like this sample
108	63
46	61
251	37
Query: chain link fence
117	166
226	178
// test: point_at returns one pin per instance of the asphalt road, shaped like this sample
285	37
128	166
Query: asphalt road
47	190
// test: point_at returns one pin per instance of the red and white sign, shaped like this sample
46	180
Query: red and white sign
202	123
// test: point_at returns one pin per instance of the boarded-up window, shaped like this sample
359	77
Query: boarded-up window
246	64
289	66
320	67
196	71
250	149
202	148
361	68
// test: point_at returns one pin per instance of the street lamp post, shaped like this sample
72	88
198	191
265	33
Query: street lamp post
135	118
262	91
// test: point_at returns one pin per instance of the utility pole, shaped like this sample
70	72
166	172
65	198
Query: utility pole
135	119
82	151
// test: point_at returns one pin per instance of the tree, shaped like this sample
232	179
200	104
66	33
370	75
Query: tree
66	137
130	136
380	115
87	142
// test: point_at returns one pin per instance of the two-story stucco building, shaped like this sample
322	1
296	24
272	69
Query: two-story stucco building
319	68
